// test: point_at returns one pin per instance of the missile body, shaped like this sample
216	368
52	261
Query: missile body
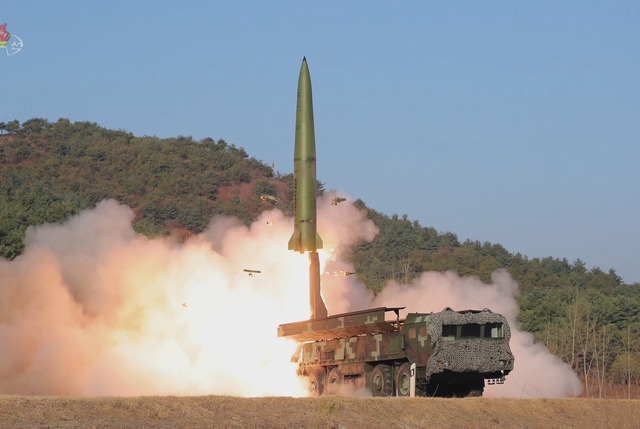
305	236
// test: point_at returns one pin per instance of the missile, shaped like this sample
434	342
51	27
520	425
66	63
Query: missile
305	236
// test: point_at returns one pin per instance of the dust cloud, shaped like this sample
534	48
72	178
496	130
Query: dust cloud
92	308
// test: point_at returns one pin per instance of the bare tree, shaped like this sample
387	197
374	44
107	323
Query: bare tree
628	366
586	327
601	341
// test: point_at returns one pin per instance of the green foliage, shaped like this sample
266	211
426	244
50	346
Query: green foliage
626	368
26	201
146	226
13	127
53	170
265	188
401	251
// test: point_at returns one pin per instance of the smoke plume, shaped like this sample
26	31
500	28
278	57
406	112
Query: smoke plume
93	308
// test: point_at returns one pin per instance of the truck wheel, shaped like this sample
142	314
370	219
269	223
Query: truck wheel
334	381
403	379
381	381
475	390
474	393
315	383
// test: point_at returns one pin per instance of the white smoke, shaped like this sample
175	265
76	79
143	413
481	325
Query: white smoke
92	308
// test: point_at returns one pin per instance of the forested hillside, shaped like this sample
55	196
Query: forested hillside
49	171
53	170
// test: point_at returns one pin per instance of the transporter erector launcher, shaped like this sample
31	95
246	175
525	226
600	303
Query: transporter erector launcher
305	236
449	353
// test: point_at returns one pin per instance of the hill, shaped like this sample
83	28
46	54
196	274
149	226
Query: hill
53	170
50	171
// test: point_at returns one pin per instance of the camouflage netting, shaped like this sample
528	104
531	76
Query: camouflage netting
472	354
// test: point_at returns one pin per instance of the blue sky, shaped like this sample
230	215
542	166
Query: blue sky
511	122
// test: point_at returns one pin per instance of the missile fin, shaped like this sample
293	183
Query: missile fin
294	241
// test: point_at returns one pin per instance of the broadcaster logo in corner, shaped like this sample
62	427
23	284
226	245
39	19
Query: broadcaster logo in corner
12	44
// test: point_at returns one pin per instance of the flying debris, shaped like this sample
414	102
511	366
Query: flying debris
337	200
252	272
269	199
184	304
343	273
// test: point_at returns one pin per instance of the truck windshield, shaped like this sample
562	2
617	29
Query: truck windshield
493	330
472	330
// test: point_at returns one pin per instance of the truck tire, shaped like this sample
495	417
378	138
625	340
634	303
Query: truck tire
334	381
381	381
403	379
475	390
316	385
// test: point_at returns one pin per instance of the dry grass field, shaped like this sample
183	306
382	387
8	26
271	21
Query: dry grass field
324	412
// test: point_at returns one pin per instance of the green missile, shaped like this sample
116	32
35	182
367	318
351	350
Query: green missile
305	236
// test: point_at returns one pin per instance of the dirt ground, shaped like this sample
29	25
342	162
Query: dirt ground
323	412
